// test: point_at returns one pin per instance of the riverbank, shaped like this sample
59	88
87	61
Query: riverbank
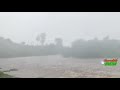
3	75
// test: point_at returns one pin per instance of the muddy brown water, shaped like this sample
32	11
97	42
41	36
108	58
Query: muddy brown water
58	67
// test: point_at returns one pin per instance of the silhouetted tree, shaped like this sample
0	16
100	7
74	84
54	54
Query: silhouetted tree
106	38
59	42
80	48
41	38
23	43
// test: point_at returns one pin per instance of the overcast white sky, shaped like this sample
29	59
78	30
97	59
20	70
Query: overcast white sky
24	26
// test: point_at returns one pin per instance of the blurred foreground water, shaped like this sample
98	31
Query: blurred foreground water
57	67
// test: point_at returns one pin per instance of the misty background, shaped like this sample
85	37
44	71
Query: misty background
75	34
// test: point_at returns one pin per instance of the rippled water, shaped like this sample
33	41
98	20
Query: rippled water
57	66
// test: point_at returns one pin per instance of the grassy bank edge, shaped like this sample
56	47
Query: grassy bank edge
3	75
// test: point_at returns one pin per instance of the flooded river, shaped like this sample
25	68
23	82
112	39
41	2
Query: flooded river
57	67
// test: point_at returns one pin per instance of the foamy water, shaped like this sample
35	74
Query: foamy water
58	67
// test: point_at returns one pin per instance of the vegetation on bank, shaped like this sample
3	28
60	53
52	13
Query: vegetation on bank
3	75
106	48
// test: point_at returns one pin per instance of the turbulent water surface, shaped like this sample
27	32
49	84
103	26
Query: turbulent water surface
57	67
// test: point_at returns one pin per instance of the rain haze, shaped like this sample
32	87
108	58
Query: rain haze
59	44
24	26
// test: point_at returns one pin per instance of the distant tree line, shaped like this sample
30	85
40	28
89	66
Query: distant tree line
105	48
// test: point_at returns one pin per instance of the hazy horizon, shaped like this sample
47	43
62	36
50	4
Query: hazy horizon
66	56
25	26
